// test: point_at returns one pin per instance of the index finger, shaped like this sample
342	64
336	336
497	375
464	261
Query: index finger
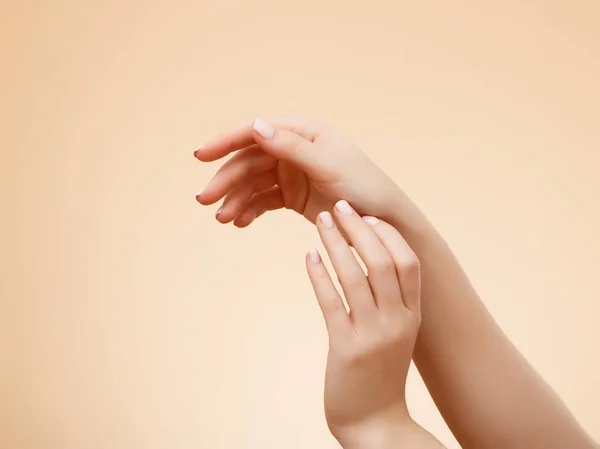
243	136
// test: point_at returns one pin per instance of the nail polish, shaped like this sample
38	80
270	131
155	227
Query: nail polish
314	256
265	130
344	208
326	219
370	220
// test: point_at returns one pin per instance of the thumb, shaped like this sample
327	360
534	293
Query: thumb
286	145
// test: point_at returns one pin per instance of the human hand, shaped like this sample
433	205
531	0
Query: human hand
297	164
370	348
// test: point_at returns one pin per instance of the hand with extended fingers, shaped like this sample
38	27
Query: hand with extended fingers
370	348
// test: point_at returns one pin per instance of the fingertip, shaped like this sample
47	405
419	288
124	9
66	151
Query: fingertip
326	219
308	262
263	129
220	216
243	220
202	199
205	154
371	221
200	155
314	256
226	215
343	208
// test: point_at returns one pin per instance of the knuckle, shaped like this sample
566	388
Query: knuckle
288	140
354	281
410	263
402	331
365	350
396	334
332	304
355	355
382	264
377	345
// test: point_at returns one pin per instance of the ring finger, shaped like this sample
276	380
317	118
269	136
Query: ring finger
249	161
238	198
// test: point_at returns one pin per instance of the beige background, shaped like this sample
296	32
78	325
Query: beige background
129	318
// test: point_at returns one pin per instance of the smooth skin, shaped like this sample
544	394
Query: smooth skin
371	347
488	394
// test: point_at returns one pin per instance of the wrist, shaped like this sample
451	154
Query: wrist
376	435
400	434
377	431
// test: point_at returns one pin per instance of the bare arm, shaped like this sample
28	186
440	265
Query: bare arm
487	392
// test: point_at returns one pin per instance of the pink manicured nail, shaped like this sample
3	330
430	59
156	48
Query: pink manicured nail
344	208
264	129
314	256
370	220
326	219
219	210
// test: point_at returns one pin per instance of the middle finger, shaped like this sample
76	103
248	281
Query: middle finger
380	264
349	272
249	161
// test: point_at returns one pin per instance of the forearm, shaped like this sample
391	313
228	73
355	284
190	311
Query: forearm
487	392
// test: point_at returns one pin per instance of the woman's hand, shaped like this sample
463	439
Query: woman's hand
370	348
296	164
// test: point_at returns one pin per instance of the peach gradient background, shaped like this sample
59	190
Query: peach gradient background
129	318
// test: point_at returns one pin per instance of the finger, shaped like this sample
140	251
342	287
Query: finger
350	274
238	198
380	265
334	312
405	260
244	136
252	160
292	147
260	203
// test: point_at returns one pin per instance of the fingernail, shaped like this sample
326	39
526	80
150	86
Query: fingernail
264	129
370	220
197	149
219	210
314	256
344	208
326	219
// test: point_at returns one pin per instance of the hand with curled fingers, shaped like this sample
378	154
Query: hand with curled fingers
293	163
370	347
